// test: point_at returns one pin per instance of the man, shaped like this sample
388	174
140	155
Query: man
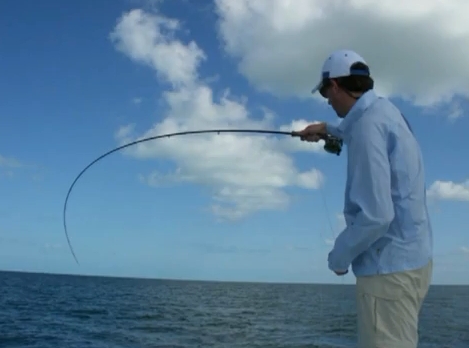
388	238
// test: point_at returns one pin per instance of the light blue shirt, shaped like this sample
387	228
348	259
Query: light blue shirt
387	223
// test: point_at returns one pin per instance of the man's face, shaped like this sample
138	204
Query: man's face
335	97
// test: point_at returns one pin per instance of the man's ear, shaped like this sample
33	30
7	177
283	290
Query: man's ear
335	85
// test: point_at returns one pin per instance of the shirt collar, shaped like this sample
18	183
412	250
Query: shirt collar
356	112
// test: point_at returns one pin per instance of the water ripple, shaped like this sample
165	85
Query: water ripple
66	311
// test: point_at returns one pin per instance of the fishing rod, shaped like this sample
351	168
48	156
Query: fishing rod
332	145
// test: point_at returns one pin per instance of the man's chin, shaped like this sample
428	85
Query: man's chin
340	115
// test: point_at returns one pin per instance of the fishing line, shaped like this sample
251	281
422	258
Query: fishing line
331	145
342	296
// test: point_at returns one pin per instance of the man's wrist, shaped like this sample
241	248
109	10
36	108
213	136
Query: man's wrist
332	130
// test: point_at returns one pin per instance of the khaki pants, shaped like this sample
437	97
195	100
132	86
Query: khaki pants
388	308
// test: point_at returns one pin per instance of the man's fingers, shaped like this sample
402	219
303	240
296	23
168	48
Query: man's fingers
316	137
311	133
297	133
340	273
311	138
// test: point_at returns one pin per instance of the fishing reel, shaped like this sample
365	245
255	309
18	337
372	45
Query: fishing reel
332	144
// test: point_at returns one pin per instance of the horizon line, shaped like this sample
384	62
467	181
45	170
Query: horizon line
153	278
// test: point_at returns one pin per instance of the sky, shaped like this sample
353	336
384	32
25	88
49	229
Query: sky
81	78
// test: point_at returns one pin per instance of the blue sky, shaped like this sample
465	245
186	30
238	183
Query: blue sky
81	79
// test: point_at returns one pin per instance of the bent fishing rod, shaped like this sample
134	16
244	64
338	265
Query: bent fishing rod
331	144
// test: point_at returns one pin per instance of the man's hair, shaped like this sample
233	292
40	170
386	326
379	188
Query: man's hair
353	83
356	83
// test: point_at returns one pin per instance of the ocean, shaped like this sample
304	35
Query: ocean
60	311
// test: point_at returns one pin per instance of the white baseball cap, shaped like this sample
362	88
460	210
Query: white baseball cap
339	64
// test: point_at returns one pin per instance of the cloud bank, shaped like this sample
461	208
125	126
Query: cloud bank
246	173
416	50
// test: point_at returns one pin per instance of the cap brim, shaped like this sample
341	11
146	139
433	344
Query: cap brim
317	88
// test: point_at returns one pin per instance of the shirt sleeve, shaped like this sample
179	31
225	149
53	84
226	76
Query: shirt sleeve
333	130
369	202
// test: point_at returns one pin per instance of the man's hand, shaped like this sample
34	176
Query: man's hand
311	132
339	273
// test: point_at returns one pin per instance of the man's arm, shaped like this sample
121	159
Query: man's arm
333	130
370	194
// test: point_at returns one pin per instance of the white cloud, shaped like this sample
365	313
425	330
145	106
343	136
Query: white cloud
124	132
143	38
417	50
10	162
245	172
339	227
292	144
9	167
449	190
465	250
456	111
340	221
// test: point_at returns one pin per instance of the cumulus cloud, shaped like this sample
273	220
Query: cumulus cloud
416	50
449	190
145	39
335	231
341	221
10	162
10	166
245	172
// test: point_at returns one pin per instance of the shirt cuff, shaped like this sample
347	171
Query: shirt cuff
333	130
336	263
